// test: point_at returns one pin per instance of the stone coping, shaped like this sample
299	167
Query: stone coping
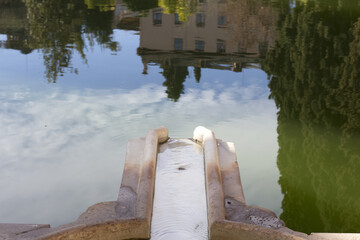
229	218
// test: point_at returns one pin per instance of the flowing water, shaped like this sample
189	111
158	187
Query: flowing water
179	210
279	78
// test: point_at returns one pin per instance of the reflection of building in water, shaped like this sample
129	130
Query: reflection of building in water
125	18
175	66
224	35
226	27
13	24
214	61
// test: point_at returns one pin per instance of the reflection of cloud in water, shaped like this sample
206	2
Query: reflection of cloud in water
63	151
3	37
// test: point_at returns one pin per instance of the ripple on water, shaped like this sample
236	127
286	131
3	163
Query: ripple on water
179	210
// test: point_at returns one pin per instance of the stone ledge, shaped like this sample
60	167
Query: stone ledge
12	231
334	236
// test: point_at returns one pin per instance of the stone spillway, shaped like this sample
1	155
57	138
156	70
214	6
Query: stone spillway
174	189
179	209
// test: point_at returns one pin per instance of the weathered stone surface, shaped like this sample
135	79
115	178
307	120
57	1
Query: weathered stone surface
230	174
213	183
236	211
12	231
106	211
145	190
133	162
10	228
231	230
109	230
126	204
335	236
35	234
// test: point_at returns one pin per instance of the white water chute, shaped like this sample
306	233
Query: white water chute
179	210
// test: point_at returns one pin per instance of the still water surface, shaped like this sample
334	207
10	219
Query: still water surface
280	79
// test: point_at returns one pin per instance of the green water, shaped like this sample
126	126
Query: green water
316	86
279	78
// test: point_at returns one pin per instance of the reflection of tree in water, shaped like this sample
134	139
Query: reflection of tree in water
175	77
98	27
315	83
55	27
197	73
139	5
102	5
184	8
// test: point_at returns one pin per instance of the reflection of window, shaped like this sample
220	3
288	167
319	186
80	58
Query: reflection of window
241	48
157	18
200	20
199	45
177	21
221	20
220	46
178	44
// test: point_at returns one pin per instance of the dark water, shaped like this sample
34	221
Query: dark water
279	78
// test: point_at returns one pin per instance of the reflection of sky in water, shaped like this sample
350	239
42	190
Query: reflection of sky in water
63	144
3	37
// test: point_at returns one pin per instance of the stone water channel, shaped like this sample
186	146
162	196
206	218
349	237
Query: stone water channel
179	210
174	189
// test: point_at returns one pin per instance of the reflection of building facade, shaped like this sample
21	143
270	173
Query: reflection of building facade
227	35
221	34
13	24
245	27
124	18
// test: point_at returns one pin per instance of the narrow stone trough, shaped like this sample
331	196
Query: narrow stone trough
174	189
179	210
